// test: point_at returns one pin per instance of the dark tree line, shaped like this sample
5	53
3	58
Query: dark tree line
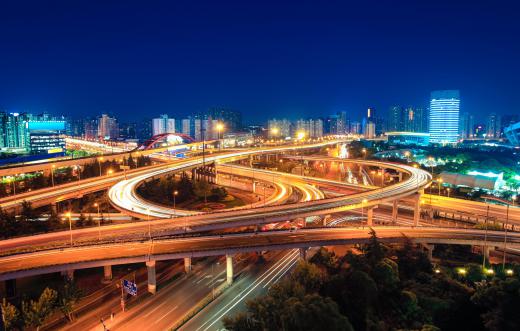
382	289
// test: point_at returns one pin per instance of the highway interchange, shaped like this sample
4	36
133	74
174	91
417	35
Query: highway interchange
137	242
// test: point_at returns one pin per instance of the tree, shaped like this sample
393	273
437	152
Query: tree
35	312
202	189
374	251
68	298
308	275
10	315
81	220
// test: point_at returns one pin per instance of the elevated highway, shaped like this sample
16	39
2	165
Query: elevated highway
54	260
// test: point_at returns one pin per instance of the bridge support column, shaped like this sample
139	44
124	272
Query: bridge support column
370	216
395	210
107	274
187	265
68	274
229	269
400	176
486	250
429	248
152	282
417	209
303	253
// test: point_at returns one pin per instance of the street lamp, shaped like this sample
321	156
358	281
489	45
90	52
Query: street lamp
364	151
439	183
99	220
300	135
99	164
110	172
174	196
220	127
448	189
275	132
69	216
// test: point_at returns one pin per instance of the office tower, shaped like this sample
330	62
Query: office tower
144	130
90	128
231	119
333	125
420	119
186	126
46	134
279	129
369	130
466	125
355	127
128	130
396	119
107	127
444	116
312	128
15	131
342	122
493	126
373	117
163	124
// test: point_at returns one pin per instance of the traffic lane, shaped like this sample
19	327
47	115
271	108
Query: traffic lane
254	282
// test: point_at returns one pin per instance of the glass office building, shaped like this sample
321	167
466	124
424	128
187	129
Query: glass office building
444	116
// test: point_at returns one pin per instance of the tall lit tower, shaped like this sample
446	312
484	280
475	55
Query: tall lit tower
444	116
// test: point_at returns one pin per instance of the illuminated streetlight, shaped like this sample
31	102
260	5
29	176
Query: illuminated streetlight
175	193
110	172
509	272
220	128
69	216
364	151
300	135
99	164
462	271
99	220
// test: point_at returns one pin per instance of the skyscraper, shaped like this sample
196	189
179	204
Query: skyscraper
107	127
444	116
279	129
163	124
493	126
466	124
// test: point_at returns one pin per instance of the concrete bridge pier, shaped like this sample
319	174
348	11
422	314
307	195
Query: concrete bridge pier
395	210
68	274
152	282
303	253
107	274
486	250
187	265
370	216
429	249
417	208
229	269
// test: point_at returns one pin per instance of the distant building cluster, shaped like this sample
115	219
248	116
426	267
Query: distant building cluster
22	133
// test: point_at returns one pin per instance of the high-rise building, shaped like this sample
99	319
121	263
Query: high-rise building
163	124
444	116
493	126
355	127
279	128
396	119
312	128
333	125
107	127
186	126
231	119
128	130
369	130
466	125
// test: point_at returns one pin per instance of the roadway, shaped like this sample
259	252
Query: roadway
54	260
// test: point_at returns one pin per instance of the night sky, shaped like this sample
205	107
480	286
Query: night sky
138	59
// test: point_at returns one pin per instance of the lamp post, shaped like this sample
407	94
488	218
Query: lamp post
448	189
364	151
98	220
110	172
149	224
99	164
505	238
220	127
175	193
52	174
439	183
69	216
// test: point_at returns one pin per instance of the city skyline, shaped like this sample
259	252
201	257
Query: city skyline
56	60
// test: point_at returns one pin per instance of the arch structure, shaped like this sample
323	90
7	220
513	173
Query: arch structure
173	138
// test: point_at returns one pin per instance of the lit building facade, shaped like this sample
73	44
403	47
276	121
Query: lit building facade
493	126
107	127
163	124
279	128
512	133
444	117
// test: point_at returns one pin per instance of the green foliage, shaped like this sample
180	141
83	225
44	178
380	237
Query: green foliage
68	298
35	312
10	315
500	300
